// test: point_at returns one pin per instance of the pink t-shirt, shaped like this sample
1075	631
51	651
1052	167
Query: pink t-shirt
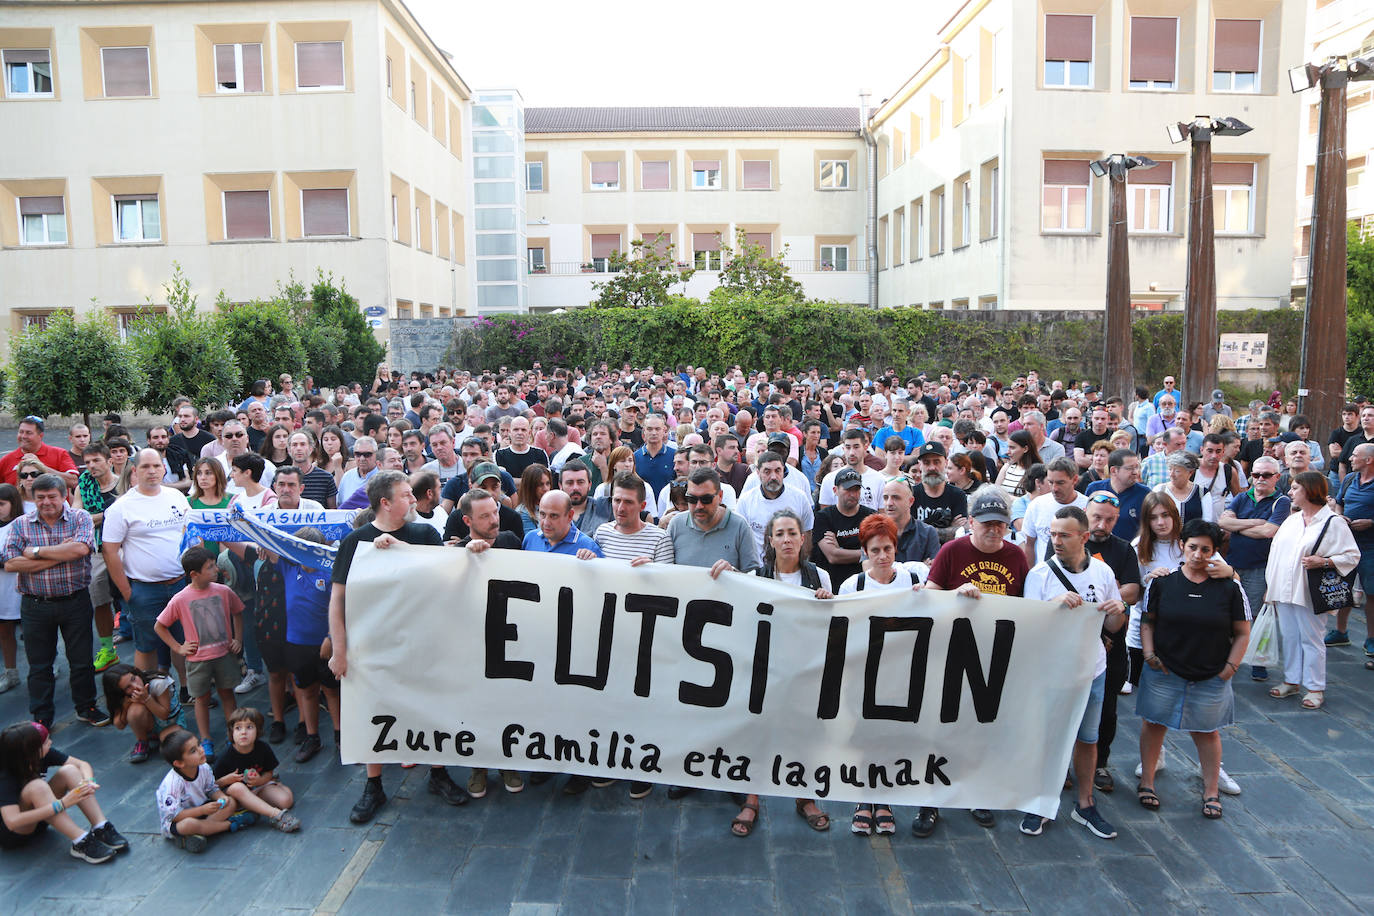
206	617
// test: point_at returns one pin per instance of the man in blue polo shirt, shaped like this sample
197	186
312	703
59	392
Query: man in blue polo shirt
897	426
557	533
1253	518
654	460
1123	482
1356	503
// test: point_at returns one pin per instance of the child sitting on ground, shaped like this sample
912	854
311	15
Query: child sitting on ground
250	761
211	617
148	704
191	807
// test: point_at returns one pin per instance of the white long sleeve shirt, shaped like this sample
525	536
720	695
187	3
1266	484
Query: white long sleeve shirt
1285	577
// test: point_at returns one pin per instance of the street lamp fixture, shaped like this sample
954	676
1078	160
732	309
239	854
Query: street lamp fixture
1117	165
1204	126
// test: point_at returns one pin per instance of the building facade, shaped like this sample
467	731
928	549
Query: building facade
498	191
247	142
686	179
985	195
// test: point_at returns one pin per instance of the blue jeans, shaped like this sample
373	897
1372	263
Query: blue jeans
146	601
43	621
252	658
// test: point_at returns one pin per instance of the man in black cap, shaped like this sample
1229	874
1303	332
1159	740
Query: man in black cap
835	531
942	507
1217	406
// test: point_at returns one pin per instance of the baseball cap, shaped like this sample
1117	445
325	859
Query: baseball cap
483	470
1218	395
931	448
780	437
990	507
848	479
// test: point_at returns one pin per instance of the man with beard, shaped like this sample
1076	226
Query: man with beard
520	454
942	507
175	472
188	438
601	438
505	405
588	514
1082	444
1166	418
472	452
854	448
485	476
917	542
836	529
759	505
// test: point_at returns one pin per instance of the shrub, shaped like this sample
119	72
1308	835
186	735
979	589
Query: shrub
69	367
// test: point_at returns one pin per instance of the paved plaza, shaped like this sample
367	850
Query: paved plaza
1299	839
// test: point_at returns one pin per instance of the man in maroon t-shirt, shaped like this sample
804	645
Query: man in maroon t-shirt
30	436
979	563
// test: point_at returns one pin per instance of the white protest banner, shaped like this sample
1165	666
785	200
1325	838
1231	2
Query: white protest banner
659	673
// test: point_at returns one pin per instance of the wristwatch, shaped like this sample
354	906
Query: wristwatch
35	552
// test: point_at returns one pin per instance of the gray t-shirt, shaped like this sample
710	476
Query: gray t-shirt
732	540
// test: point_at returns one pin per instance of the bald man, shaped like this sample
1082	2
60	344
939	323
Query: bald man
557	533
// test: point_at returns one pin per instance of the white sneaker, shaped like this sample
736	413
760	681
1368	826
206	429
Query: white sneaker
251	680
1126	689
9	680
1140	767
1226	784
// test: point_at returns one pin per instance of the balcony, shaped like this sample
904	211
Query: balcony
795	265
1300	271
567	284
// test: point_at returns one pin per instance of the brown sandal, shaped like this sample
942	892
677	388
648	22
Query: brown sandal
1211	807
742	828
819	821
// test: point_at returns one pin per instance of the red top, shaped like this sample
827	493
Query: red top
56	458
1000	573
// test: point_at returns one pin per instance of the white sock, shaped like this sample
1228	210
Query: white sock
99	825
80	838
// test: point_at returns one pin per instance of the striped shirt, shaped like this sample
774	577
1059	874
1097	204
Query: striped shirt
64	578
650	541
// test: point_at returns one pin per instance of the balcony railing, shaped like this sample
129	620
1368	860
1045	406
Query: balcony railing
800	266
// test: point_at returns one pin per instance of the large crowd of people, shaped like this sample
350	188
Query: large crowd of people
1176	519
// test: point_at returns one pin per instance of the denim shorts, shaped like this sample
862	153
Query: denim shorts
1092	715
1191	706
1366	569
146	601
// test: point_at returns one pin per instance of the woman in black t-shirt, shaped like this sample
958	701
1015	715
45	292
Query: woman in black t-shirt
1193	635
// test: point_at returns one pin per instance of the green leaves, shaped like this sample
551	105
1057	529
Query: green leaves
643	279
69	368
266	338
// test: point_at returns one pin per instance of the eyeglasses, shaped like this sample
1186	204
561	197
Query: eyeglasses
1264	475
363	454
1100	497
28	475
704	498
238	435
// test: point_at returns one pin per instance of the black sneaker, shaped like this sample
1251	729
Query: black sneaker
601	782
92	850
1095	822
983	817
442	785
539	777
373	799
276	733
1032	825
640	789
1103	781
299	734
925	822
676	792
194	844
576	785
94	715
107	834
309	748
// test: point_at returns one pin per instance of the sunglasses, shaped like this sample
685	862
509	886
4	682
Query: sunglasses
704	498
235	435
28	475
1263	475
1100	497
364	454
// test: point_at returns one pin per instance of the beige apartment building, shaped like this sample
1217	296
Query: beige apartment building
792	179
245	141
985	195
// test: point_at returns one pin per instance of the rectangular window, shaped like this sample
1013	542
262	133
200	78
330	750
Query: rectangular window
498	244
963	217
1149	203
413	110
536	261
882	242
918	229
606	176
238	68
706	174
137	218
319	65
1064	197
898	236
388	76
247	215
126	72
655	175
834	257
1236	55
756	175
763	240
706	250
395	219
42	221
1154	52
835	174
534	176
324	212
28	73
1068	51
937	221
603	246
989	199
1233	197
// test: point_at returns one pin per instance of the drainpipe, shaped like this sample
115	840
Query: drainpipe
871	219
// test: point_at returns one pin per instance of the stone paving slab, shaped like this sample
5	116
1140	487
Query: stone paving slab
1299	839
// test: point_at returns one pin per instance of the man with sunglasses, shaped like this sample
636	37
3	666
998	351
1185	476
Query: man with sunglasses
1253	518
30	436
234	437
1123	483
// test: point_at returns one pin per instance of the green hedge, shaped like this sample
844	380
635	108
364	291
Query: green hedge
796	335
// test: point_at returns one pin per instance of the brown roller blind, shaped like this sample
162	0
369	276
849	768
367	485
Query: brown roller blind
1067	172
663	246
705	241
757	174
606	173
40	206
605	245
1162	174
1233	173
324	212
126	71
319	64
252	68
1237	45
226	71
37	56
706	165
246	215
1068	37
656	176
1153	45
763	239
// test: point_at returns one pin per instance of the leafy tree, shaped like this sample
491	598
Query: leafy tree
1359	270
70	367
266	339
183	353
359	351
751	270
642	279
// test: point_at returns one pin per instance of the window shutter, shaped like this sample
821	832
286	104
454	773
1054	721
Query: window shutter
706	165
1233	173
252	68
1237	45
603	246
606	173
246	215
319	64
763	239
662	246
1068	37
656	176
705	241
37	56
757	174
1162	174
1153	43
1067	172
324	212
40	206
126	72
225	71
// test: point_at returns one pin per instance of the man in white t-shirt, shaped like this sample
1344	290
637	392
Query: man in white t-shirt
142	548
757	506
1072	578
794	478
1061	474
853	447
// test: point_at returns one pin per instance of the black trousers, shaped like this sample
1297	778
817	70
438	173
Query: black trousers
43	621
1118	666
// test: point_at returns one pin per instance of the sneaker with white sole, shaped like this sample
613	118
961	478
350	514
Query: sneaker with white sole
1097	824
1159	768
1226	784
9	680
1127	688
251	681
1032	825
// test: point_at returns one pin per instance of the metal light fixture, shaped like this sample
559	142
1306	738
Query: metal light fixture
1361	68
1308	75
1178	132
1204	126
1304	77
1101	168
